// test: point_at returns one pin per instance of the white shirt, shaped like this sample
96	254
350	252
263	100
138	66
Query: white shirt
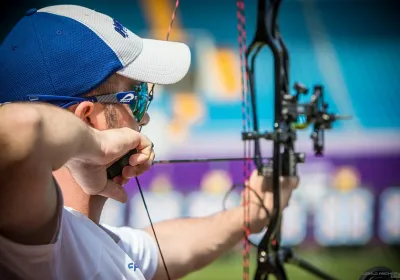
81	250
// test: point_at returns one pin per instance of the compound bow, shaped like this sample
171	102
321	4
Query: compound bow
287	114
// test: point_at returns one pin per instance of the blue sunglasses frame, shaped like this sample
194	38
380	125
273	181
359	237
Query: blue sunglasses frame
138	100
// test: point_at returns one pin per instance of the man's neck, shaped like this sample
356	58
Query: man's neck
74	197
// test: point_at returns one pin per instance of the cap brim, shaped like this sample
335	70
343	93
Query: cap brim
160	62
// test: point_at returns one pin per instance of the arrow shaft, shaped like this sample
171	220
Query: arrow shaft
203	160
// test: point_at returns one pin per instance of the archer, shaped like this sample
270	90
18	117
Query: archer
75	96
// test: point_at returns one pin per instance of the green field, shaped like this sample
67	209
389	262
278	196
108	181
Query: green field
346	264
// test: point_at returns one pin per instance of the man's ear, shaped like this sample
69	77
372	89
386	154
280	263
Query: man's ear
84	111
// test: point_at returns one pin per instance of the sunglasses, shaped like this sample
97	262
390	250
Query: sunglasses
138	99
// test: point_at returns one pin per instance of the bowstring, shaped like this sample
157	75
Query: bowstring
137	179
241	26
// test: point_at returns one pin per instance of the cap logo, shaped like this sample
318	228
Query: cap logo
120	29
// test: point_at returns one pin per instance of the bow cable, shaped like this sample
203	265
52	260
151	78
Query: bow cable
241	26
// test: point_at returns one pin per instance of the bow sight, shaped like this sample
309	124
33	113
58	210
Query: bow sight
287	116
296	116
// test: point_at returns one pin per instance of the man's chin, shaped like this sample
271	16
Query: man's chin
74	197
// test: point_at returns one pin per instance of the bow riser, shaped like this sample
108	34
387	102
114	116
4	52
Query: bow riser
287	111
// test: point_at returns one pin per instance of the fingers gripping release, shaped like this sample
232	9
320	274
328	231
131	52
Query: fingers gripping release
116	168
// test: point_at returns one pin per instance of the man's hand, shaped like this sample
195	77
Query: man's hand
89	170
262	187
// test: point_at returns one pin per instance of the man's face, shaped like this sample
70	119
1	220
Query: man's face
104	116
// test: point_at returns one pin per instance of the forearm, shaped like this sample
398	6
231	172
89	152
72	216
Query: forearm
190	244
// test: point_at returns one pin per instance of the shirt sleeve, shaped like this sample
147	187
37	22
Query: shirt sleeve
20	261
139	246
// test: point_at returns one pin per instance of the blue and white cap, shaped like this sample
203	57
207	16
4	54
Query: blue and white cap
69	50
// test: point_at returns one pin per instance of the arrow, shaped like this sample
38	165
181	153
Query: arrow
202	160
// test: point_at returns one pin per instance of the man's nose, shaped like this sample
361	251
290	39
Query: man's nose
145	120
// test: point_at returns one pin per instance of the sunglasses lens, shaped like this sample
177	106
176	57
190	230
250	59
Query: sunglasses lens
140	108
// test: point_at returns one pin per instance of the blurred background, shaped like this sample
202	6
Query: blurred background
345	215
